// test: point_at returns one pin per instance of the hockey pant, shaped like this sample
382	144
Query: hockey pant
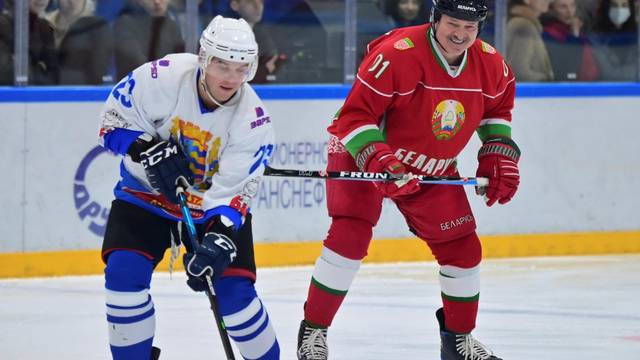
131	315
438	214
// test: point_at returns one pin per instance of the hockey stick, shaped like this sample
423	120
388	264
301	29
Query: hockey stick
211	294
367	176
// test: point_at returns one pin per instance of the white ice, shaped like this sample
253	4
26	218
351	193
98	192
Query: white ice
560	308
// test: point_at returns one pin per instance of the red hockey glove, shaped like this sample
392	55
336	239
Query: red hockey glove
498	161
378	158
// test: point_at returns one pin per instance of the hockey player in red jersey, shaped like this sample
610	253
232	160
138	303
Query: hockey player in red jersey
419	95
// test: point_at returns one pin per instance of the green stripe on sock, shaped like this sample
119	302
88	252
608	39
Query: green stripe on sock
324	288
476	297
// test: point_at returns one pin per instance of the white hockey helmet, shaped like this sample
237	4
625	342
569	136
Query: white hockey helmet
231	40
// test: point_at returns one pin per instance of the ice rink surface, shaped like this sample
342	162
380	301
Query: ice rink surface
561	308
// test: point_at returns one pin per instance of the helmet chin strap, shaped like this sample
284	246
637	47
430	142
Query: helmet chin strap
210	96
436	37
433	27
208	93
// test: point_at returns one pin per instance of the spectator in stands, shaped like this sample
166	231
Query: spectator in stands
143	32
269	60
569	49
407	12
38	7
615	39
77	32
43	65
301	36
526	51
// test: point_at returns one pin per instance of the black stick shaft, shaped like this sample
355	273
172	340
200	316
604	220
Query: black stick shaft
366	176
224	336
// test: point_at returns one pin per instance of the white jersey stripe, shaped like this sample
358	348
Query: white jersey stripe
435	88
501	92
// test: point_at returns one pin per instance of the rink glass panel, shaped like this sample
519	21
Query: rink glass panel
304	41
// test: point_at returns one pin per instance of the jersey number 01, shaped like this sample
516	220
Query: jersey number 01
376	65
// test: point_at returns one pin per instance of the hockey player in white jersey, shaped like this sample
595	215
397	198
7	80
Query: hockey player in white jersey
195	119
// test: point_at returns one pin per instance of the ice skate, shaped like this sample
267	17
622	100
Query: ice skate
312	343
461	346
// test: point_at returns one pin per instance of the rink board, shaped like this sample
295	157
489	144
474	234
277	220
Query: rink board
579	176
86	262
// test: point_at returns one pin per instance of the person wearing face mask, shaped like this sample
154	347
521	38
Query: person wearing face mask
615	39
420	94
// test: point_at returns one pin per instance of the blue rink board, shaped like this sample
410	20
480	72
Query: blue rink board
312	92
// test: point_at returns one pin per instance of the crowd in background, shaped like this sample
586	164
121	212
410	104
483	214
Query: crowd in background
76	42
573	40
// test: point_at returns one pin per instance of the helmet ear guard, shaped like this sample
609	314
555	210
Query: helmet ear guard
231	40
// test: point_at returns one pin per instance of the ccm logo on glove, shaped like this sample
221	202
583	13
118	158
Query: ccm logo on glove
166	167
153	156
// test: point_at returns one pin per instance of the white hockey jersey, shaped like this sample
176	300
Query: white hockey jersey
227	148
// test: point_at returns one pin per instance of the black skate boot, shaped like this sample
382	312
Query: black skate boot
155	353
460	346
312	343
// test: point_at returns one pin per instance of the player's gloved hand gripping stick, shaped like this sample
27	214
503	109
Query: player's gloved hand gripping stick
165	164
377	157
213	255
211	294
498	160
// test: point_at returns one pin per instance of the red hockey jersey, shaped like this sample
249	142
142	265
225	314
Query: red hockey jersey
407	95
